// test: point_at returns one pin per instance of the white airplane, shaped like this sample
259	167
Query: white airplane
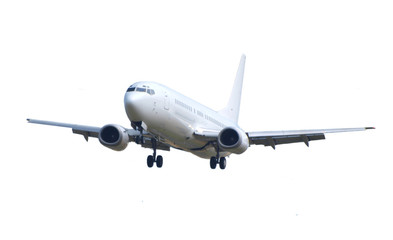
162	118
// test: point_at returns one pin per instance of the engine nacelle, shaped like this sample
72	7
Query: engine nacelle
233	140
114	137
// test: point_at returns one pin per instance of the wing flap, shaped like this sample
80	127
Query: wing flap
272	141
85	134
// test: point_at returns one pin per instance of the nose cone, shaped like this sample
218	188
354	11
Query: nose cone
134	105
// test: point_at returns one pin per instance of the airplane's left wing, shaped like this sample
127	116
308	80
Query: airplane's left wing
273	138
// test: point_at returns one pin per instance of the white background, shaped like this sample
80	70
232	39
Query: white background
324	64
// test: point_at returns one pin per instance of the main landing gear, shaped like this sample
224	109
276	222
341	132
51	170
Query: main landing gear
214	161
222	161
151	159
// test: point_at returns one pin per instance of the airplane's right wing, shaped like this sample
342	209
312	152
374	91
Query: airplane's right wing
273	138
91	131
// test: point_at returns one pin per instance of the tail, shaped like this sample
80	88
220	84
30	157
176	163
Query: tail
232	109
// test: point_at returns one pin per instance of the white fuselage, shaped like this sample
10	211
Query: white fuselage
173	117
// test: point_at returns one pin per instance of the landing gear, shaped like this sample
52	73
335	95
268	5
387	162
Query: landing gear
151	159
223	163
214	162
159	161
218	160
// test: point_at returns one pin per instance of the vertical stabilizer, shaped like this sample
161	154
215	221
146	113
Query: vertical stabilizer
232	109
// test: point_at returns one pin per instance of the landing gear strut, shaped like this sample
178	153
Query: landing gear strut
151	159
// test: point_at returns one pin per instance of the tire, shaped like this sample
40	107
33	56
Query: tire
159	161
223	163
213	162
150	161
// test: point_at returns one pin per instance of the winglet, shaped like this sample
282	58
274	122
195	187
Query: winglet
368	128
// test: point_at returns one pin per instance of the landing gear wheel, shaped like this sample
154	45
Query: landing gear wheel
159	161
213	162
223	163
150	161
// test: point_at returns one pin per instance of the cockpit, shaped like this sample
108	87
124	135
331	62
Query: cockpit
142	88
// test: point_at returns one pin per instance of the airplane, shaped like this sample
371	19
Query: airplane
162	118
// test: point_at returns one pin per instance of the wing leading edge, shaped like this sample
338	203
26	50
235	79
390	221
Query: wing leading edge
273	138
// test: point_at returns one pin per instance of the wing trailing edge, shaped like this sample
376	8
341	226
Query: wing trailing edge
273	138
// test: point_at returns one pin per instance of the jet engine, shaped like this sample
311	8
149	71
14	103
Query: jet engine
114	137
233	140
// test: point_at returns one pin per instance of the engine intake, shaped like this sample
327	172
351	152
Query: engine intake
229	138
233	140
114	137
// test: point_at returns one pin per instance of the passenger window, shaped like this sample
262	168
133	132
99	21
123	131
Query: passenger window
141	89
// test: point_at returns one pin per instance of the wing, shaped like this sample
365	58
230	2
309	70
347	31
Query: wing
90	131
86	131
273	138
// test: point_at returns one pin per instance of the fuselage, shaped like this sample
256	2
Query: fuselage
174	118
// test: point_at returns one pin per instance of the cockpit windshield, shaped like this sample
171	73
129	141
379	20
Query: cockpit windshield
141	89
